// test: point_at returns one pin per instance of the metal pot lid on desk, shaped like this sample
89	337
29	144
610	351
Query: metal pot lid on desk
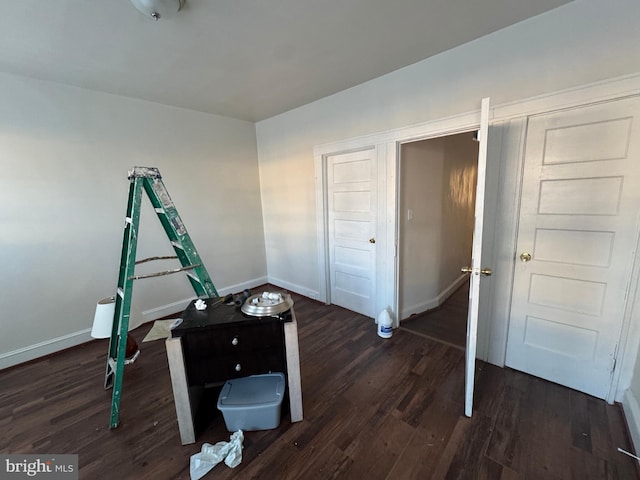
267	304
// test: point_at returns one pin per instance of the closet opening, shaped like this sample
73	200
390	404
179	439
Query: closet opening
436	201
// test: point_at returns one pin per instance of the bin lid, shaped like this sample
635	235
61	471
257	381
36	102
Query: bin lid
266	389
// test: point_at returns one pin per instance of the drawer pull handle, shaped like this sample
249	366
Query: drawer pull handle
234	341
238	367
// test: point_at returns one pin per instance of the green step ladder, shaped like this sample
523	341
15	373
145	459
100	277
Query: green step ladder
149	180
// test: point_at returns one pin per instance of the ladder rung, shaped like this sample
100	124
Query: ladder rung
170	257
166	272
127	220
177	244
120	292
160	210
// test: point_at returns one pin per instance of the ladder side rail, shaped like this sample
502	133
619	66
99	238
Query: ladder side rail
122	276
177	233
172	224
125	291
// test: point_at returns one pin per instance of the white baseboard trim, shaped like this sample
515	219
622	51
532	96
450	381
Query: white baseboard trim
180	305
419	308
31	352
631	410
434	302
239	287
164	310
306	292
54	345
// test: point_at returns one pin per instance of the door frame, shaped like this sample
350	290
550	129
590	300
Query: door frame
377	187
321	155
387	145
516	115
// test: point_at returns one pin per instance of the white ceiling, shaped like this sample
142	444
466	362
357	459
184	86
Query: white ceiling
248	59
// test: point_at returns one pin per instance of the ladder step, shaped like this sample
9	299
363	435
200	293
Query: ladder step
150	259
177	245
166	272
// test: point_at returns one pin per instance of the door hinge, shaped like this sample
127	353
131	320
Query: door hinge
614	361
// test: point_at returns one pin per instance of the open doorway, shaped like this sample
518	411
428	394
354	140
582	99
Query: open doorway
437	190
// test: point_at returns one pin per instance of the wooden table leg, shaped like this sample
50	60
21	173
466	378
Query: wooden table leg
181	396
293	368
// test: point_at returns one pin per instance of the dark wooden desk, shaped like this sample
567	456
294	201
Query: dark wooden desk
213	345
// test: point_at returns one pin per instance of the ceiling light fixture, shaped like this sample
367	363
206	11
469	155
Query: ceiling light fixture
158	9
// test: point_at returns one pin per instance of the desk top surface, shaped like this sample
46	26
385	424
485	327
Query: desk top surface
216	315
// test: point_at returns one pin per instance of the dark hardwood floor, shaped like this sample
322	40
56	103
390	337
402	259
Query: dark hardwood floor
446	323
374	409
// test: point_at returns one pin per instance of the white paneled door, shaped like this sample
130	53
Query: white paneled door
576	243
351	207
476	269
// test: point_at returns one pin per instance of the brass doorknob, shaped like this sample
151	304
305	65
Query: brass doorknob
372	240
485	271
525	256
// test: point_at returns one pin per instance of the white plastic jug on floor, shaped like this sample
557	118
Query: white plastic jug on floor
385	325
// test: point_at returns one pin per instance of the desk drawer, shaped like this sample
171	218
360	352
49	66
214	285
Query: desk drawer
223	368
234	340
215	355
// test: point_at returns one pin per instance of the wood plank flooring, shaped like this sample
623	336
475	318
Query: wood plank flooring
374	409
446	323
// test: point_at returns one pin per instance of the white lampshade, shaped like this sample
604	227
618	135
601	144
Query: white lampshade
105	313
103	319
157	9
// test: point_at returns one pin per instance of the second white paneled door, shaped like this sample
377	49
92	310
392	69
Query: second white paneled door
576	243
351	207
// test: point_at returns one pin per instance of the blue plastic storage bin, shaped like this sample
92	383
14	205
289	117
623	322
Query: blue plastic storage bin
252	403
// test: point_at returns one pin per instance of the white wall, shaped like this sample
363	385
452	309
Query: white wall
438	183
631	404
580	43
631	376
420	242
65	153
459	179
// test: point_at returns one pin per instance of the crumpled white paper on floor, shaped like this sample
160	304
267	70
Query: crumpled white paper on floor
211	455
